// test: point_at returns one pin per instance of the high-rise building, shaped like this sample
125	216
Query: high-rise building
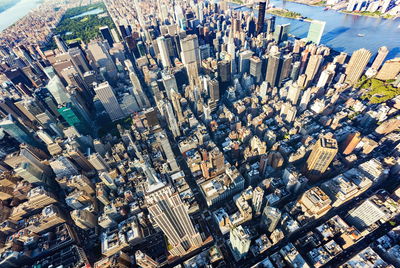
356	65
315	31
18	131
190	49
240	240
167	149
273	69
281	32
261	16
74	117
255	68
389	70
60	44
101	59
145	261
213	89
169	212
106	95
271	25
106	33
322	154
84	219
351	142
62	166
270	218
312	68
224	71
164	52
257	200
244	61
58	90
380	57
293	93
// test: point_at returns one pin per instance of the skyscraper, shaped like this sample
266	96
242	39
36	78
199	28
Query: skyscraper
356	65
164	54
270	218
281	32
18	131
312	68
73	117
389	70
273	69
322	154
190	49
261	16
106	95
315	31
255	68
380	57
271	25
244	61
105	32
240	241
170	214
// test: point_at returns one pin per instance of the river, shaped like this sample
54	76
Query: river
341	30
11	15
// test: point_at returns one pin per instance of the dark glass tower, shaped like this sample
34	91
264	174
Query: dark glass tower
261	16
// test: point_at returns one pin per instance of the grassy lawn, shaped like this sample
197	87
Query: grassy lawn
81	28
107	126
284	13
377	91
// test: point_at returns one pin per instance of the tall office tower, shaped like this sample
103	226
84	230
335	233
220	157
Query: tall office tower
106	95
31	173
166	147
79	159
170	117
356	65
244	61
255	68
60	44
380	57
176	103
190	49
57	89
224	71
84	219
106	33
62	166
74	117
169	82
270	218
312	68
293	93
137	91
273	69
261	16
286	65
301	82
18	131
322	154
164	53
271	25
213	90
294	74
170	214
288	112
325	78
351	142
145	261
257	200
240	240
389	70
281	32
315	31
79	60
98	162
101	59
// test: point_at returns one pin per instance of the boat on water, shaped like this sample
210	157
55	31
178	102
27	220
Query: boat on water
360	35
327	8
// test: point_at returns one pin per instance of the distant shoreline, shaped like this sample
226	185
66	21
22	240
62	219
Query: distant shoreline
8	4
